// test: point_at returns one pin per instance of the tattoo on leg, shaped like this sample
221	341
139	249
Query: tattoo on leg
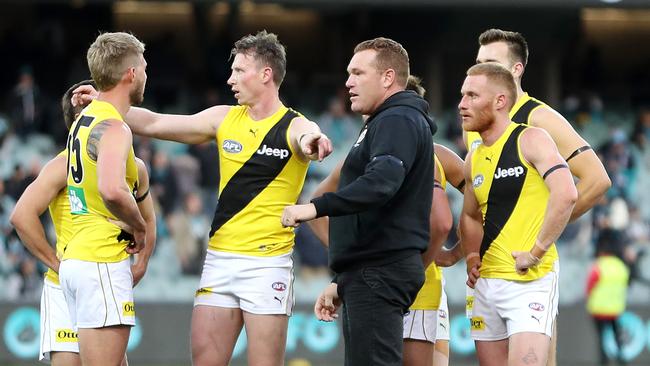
530	358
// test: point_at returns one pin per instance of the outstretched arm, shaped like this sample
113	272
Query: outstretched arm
308	140
32	203
593	181
192	129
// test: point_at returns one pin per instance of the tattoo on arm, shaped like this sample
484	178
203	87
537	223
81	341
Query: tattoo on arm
530	358
95	135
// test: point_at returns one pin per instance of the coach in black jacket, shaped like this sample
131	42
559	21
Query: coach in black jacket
379	217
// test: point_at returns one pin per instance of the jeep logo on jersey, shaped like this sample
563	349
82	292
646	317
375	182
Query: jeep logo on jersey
536	306
510	172
478	180
270	151
279	286
232	146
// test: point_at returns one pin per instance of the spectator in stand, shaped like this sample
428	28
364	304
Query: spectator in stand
163	182
207	155
6	206
25	104
187	226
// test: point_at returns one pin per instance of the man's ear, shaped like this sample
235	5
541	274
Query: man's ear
501	100
129	75
517	70
388	78
267	74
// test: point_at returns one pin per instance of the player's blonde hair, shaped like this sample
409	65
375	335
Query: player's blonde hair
497	74
110	56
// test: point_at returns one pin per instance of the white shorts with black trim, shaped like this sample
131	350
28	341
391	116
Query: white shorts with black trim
57	334
421	325
98	294
442	333
257	285
504	307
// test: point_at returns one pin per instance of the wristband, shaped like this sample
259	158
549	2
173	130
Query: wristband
303	135
471	255
538	245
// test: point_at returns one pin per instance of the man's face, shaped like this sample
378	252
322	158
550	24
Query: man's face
136	95
495	52
246	78
365	82
477	105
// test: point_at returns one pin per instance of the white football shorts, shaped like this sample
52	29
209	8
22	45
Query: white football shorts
257	285
57	334
98	294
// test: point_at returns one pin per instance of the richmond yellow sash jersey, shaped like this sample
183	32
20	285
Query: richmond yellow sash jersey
513	197
260	176
520	113
428	297
93	238
60	213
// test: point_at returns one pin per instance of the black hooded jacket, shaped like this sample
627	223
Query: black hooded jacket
380	212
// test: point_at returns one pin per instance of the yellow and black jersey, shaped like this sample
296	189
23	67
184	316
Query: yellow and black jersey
519	113
260	176
94	238
443	177
62	220
512	197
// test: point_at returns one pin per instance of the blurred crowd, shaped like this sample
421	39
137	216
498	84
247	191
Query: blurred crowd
185	179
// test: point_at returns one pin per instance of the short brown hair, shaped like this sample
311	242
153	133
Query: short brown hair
497	73
517	44
267	49
110	56
390	55
69	111
415	83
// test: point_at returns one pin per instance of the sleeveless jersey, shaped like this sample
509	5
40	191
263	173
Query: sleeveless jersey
60	213
512	197
520	113
94	238
428	297
260	176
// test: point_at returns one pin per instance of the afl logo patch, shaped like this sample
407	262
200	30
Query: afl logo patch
475	144
536	306
232	146
478	180
279	286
